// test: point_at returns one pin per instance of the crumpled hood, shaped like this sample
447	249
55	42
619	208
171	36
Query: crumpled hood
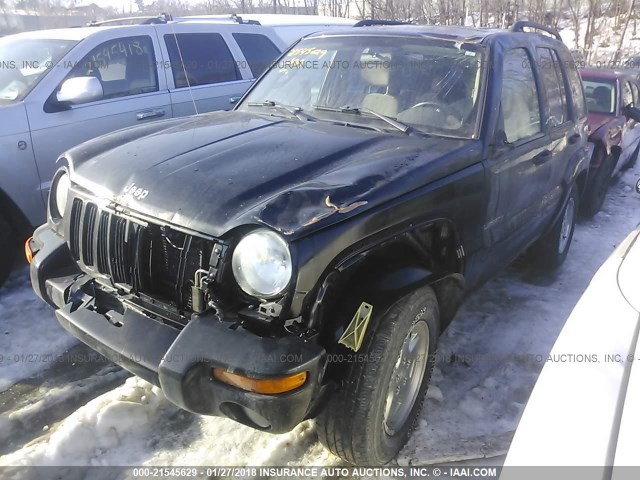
214	172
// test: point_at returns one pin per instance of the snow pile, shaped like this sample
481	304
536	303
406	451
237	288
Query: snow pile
135	424
36	410
109	423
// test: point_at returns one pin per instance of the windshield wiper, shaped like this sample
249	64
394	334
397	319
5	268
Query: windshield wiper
347	109
293	111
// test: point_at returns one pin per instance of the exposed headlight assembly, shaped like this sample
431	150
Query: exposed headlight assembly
59	194
262	264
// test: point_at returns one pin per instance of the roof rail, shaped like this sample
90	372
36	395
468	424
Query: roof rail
231	18
520	25
373	23
162	18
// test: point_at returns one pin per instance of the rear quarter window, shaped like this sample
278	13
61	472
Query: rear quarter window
258	50
578	105
553	84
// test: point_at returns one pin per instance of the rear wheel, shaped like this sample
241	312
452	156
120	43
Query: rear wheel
7	250
369	420
550	251
597	188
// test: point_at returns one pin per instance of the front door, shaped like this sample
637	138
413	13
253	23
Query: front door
134	93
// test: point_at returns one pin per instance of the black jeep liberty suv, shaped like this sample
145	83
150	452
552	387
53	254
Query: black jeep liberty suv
299	256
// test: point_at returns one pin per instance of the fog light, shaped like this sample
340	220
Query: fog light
261	385
27	250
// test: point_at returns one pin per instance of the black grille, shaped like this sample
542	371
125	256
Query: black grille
149	260
88	233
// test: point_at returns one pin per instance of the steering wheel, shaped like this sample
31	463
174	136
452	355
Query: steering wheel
447	110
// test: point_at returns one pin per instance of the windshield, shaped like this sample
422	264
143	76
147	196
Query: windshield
430	85
23	61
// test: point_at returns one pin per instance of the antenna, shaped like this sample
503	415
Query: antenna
184	68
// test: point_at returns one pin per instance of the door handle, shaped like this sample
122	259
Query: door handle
150	114
233	100
574	138
542	157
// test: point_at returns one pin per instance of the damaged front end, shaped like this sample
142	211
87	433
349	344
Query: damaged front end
161	302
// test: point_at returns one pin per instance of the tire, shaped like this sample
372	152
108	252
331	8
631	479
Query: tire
597	188
632	159
7	250
358	424
550	251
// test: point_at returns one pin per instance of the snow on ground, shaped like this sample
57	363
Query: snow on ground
30	336
488	362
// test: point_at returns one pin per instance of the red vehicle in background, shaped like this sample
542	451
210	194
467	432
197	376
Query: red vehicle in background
612	101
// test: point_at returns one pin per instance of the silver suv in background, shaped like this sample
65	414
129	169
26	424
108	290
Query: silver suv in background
59	88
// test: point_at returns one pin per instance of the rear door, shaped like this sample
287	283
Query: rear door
560	126
126	63
202	72
630	130
518	174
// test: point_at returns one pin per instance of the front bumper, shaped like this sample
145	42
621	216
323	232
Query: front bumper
180	361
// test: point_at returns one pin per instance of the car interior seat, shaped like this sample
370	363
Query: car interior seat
377	74
517	123
139	75
602	97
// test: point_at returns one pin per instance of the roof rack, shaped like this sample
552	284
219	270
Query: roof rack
231	18
373	23
520	25
159	19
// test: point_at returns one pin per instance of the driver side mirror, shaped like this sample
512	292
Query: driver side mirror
631	112
79	90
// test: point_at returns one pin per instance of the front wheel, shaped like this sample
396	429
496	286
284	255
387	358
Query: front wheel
597	188
369	420
551	250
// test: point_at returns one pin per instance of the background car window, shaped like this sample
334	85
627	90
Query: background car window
125	66
24	61
636	94
519	101
258	50
553	85
203	59
600	95
627	96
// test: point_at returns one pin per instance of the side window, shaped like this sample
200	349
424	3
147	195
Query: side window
636	94
124	66
553	84
200	59
575	86
627	96
519	100
259	51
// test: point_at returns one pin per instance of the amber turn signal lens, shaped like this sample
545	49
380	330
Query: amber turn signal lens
27	250
261	385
